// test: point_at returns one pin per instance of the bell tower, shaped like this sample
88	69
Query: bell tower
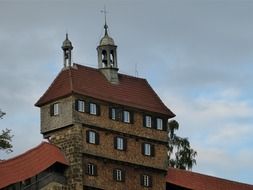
107	57
67	48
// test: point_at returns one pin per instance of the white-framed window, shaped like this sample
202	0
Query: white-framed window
146	180
113	113
159	123
147	149
93	109
92	137
126	116
80	105
54	109
91	169
118	175
119	143
148	121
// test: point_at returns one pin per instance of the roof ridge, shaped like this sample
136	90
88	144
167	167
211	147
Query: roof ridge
96	69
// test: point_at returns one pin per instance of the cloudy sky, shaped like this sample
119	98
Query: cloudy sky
196	54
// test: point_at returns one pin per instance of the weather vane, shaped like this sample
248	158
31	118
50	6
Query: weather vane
105	12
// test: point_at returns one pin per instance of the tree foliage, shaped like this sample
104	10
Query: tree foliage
5	140
181	155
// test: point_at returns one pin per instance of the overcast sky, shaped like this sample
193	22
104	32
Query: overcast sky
196	54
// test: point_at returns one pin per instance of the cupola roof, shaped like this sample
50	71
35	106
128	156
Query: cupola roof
106	40
67	43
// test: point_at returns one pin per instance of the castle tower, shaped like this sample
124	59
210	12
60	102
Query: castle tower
113	136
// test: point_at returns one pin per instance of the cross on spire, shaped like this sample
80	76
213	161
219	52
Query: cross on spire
105	12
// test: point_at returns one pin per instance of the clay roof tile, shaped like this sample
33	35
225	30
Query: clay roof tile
30	163
131	91
197	181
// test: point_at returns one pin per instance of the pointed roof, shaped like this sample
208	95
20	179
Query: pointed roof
30	164
106	40
67	43
131	91
197	181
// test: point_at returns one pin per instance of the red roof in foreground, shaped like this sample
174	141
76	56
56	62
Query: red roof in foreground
196	181
131	91
30	163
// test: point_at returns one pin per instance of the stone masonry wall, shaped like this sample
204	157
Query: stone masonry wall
104	121
69	140
104	178
132	154
64	118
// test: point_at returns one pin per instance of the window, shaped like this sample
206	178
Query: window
159	123
113	113
148	149
54	109
146	180
126	116
91	169
92	137
147	121
93	109
120	143
119	114
80	105
118	175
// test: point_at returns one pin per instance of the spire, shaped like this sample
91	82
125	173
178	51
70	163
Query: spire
106	40
67	47
105	26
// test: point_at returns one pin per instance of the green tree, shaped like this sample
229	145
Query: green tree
180	153
5	138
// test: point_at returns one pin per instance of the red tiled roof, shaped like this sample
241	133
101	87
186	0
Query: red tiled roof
30	163
196	181
131	91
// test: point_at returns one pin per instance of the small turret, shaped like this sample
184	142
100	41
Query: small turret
67	47
107	57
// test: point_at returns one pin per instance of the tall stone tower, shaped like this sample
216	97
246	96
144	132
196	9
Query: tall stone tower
111	127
